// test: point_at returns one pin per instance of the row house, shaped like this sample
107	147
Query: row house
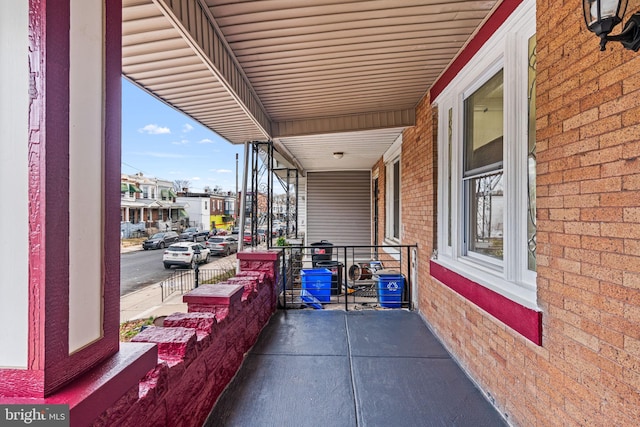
208	210
149	204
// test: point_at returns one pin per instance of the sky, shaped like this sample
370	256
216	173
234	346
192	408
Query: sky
162	142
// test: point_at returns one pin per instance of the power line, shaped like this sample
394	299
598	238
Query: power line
133	167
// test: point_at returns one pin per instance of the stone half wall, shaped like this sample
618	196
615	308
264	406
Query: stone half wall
199	352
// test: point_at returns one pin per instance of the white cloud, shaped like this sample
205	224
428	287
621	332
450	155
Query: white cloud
205	141
195	178
221	170
153	129
187	128
181	142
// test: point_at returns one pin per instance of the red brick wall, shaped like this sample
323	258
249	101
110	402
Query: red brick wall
587	372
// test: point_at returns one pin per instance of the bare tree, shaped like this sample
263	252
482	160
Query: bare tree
180	185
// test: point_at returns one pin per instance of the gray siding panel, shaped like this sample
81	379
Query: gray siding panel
339	207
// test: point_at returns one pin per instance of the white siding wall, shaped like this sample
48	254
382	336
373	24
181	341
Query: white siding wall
339	207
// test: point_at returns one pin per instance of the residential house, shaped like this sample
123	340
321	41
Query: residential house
495	135
206	209
149	204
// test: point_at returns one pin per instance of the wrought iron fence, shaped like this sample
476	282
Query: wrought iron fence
185	280
357	277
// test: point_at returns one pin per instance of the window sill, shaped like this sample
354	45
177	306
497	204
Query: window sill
524	320
392	252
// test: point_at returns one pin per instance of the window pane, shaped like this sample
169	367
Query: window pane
531	157
484	115
486	215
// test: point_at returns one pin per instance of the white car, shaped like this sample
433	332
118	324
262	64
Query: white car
185	254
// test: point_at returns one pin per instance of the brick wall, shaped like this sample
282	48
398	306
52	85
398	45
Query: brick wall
587	372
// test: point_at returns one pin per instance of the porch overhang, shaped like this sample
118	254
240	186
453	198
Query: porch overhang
319	73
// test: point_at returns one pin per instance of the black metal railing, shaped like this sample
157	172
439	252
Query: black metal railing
185	280
356	277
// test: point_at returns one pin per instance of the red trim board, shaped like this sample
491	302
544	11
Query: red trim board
524	320
485	32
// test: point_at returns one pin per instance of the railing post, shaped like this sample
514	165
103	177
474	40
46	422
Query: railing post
345	278
283	276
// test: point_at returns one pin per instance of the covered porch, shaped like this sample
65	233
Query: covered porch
538	299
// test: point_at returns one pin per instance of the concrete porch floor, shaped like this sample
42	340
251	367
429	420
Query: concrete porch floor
357	368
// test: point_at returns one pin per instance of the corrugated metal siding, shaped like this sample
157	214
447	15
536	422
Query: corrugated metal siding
339	207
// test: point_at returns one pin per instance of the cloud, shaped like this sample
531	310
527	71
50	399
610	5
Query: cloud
153	129
195	178
187	128
205	141
221	170
181	142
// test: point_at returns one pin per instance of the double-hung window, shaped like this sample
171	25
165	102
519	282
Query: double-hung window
486	170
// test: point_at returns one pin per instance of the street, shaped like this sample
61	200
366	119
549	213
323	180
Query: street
141	268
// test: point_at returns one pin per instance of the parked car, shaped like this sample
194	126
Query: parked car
222	245
194	234
160	240
262	235
184	254
248	239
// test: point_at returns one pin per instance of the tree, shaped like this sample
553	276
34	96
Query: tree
179	185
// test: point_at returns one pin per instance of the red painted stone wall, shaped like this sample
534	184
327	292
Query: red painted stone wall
199	352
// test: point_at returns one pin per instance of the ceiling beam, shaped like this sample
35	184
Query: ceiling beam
345	123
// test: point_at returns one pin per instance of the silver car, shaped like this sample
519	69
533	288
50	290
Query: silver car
222	245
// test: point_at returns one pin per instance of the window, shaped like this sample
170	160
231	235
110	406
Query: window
486	170
483	169
392	199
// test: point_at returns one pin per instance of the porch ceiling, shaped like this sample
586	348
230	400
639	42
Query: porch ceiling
315	76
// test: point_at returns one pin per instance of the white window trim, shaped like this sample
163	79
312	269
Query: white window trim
511	277
392	155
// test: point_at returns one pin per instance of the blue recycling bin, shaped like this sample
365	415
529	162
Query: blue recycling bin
317	281
390	288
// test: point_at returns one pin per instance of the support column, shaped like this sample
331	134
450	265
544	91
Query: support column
59	311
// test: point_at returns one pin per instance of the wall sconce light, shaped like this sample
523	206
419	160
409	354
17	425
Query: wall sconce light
338	155
601	16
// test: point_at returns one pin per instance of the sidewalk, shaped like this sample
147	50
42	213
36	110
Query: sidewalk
147	302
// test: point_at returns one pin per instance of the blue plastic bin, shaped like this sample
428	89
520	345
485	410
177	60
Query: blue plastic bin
390	288
317	281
